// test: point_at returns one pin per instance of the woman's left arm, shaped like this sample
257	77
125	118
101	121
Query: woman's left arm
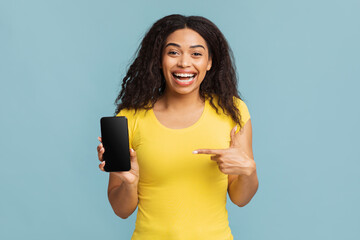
242	178
238	163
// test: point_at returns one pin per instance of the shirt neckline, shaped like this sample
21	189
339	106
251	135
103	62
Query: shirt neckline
180	129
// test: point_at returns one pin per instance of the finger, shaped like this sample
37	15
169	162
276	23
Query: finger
101	166
101	153
100	139
232	136
99	147
215	158
209	151
133	157
222	168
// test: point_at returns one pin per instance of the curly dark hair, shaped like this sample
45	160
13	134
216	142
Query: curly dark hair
144	82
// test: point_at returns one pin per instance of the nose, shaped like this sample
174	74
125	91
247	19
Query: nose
184	61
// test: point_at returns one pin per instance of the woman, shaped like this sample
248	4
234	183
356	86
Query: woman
190	135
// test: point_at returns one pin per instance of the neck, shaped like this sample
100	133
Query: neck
181	102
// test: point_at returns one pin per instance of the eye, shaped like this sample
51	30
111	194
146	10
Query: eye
197	54
172	52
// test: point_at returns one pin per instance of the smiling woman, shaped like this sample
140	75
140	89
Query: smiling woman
185	61
190	135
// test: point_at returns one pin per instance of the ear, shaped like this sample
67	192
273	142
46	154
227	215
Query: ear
209	64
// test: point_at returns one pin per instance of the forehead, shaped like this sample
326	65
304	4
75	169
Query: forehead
185	38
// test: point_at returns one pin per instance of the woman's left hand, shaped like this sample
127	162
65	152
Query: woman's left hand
233	160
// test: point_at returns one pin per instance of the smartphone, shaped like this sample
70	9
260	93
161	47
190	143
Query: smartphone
115	139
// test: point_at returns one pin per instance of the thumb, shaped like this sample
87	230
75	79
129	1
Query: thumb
232	136
133	157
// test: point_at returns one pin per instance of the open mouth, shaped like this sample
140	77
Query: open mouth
184	78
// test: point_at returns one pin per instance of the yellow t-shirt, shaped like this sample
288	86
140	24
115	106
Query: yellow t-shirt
181	195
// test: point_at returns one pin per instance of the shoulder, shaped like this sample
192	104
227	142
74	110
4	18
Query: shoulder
134	116
243	110
131	113
240	104
126	112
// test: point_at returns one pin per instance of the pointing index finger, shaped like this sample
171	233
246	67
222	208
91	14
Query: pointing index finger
208	151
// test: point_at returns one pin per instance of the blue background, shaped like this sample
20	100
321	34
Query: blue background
61	64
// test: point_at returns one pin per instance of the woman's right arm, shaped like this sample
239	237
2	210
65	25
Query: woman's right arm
122	189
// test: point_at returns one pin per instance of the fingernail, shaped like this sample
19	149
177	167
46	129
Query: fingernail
195	152
235	128
132	150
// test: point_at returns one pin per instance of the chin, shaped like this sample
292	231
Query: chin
185	91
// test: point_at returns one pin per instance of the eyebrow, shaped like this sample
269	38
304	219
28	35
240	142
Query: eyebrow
177	45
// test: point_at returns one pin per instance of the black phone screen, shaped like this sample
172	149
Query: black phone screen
115	139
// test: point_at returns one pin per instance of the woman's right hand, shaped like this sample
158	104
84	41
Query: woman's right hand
129	177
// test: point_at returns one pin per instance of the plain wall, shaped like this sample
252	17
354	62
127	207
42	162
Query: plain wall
61	65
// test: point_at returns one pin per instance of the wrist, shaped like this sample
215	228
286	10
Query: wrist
131	185
126	178
251	169
251	173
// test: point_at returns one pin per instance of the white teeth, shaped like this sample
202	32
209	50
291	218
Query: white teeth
184	75
185	81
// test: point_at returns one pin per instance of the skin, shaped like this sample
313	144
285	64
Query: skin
238	163
186	51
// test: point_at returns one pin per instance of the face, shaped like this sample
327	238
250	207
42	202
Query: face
185	61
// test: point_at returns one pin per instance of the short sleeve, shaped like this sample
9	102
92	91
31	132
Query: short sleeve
244	112
130	116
